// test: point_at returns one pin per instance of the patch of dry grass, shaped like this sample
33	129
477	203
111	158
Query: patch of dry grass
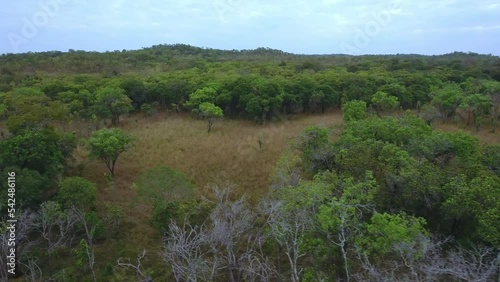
487	134
230	153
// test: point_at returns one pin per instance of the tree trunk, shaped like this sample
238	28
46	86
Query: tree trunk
210	123
115	120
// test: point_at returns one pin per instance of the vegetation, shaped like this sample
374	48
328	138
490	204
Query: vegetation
329	168
107	145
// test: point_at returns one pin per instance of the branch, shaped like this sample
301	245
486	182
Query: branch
136	267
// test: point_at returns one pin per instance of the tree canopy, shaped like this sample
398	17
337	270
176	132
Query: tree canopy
106	145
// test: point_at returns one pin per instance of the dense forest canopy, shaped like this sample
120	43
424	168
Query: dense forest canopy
384	196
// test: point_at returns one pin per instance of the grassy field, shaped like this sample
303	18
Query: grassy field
229	154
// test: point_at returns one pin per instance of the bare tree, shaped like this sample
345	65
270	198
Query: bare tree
231	225
33	270
55	225
89	228
137	267
425	259
187	255
476	264
288	228
227	246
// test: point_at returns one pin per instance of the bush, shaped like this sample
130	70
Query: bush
148	109
77	191
354	110
166	190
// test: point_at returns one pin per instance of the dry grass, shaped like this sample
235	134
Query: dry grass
230	153
486	134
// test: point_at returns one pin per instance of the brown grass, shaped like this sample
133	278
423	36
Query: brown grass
230	153
487	134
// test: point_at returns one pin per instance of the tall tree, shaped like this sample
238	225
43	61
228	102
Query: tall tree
478	106
111	102
447	99
108	144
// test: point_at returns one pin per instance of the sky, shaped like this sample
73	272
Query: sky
296	26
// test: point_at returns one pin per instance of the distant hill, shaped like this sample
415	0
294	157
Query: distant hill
182	56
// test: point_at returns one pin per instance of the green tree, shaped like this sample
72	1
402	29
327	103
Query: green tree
447	99
387	230
291	219
77	191
314	145
35	188
354	110
258	108
134	89
491	158
264	100
111	102
42	150
30	108
477	105
211	112
341	216
170	194
107	145
476	206
383	102
79	103
148	109
200	96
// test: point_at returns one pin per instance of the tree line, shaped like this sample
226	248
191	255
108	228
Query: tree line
448	87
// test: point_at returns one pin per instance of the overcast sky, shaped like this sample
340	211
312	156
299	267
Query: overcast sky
297	26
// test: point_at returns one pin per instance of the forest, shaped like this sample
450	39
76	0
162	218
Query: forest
181	163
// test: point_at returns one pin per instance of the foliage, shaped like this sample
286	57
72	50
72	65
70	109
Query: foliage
477	203
479	106
366	206
210	112
106	145
200	96
44	150
111	102
384	102
29	108
35	188
447	99
147	109
384	231
77	191
490	158
354	110
313	143
171	195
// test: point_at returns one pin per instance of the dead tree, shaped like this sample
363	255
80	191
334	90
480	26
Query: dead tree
137	267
